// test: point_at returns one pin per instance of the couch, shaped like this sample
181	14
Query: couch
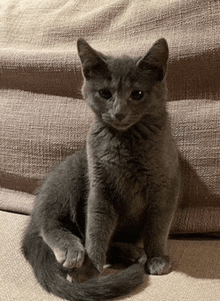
43	118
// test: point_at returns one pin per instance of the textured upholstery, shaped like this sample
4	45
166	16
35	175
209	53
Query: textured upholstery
195	275
43	119
40	130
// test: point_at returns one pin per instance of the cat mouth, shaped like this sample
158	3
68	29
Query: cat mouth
120	125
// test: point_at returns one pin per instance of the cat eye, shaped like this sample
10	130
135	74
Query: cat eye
105	93
137	95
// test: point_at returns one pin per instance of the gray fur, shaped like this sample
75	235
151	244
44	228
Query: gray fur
99	205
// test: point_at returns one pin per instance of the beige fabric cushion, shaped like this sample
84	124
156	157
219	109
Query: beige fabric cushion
195	275
16	201
196	129
38	41
38	131
38	54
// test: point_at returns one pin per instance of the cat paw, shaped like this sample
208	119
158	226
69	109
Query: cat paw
125	253
85	272
158	265
72	256
98	259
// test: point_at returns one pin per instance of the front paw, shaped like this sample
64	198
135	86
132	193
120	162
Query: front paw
98	258
98	263
158	265
85	272
125	253
72	256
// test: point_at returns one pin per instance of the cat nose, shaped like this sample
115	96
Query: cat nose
120	116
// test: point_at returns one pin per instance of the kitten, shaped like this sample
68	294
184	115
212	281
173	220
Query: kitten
100	204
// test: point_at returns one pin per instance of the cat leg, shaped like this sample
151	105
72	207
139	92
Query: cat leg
67	247
158	221
125	253
155	247
101	222
70	252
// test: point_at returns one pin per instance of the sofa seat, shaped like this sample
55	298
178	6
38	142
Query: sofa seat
43	119
195	274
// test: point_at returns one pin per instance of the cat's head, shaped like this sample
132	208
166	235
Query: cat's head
122	91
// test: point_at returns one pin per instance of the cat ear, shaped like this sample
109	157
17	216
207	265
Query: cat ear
155	61
93	62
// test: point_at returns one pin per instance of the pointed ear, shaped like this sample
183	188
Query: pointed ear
155	61
93	62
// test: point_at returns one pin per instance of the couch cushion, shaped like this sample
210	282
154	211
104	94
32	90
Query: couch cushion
38	54
195	275
38	41
16	201
40	130
37	131
196	129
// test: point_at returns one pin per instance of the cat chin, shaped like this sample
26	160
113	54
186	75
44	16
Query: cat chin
122	129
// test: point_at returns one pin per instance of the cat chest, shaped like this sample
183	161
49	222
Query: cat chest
132	191
125	172
131	208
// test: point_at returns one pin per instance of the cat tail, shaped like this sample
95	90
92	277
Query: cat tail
52	276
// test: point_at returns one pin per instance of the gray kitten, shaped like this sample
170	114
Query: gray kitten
100	204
